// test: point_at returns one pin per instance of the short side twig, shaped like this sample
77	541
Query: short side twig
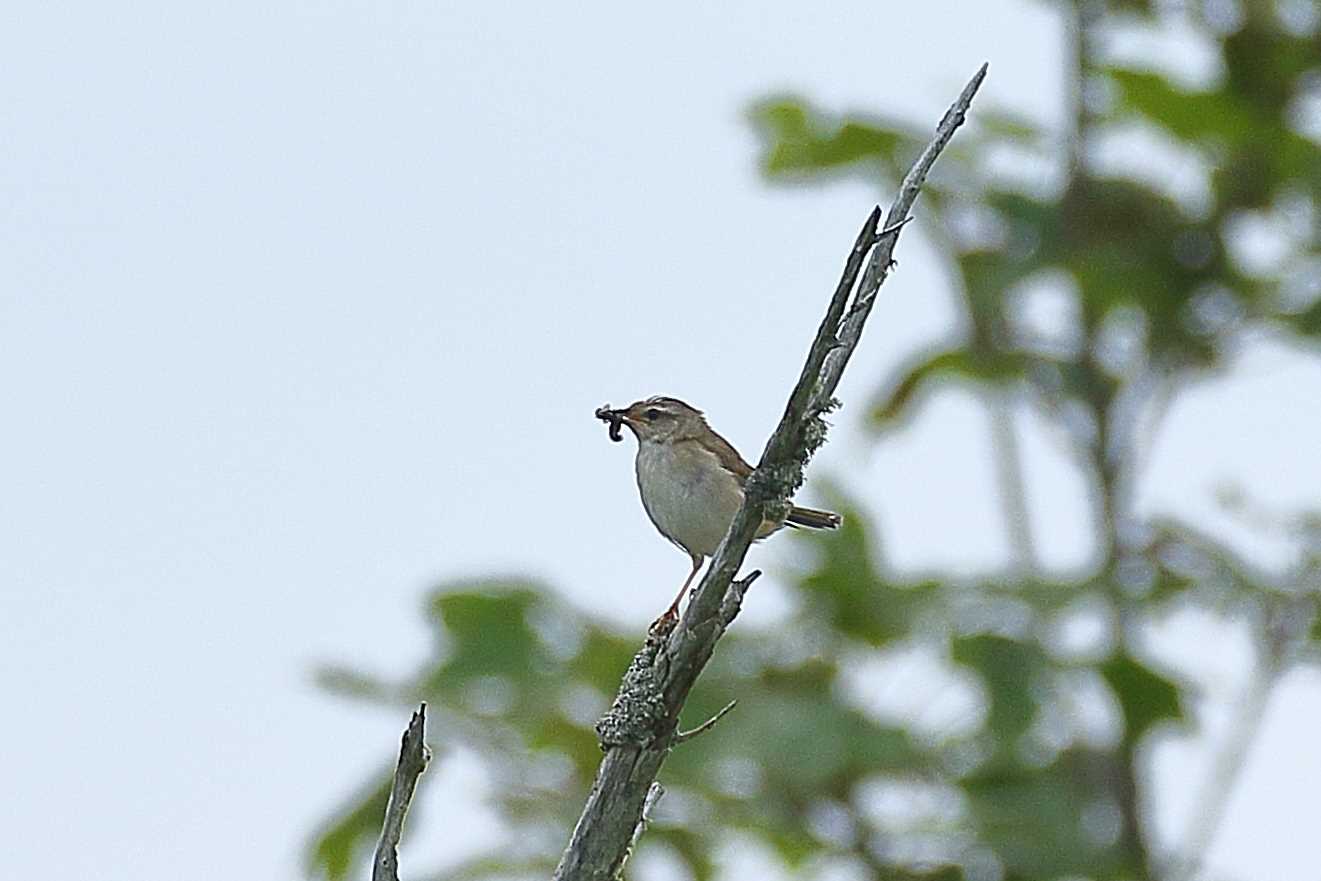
413	758
684	736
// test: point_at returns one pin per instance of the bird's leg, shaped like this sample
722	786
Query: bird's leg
672	613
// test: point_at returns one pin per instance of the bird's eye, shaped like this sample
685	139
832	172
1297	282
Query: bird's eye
652	415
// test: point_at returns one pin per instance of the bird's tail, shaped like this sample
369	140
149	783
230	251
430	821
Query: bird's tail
814	519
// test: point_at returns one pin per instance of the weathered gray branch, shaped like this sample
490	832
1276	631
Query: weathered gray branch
639	730
882	259
413	757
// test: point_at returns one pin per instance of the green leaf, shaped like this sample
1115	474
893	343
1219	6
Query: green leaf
1307	322
801	748
336	849
354	684
797	139
1145	697
805	741
602	658
1029	216
1009	125
1009	669
1188	115
1245	123
488	633
1034	819
847	590
1143	7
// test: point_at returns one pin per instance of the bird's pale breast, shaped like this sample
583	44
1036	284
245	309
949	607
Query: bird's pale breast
687	494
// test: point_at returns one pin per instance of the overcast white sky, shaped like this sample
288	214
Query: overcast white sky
306	306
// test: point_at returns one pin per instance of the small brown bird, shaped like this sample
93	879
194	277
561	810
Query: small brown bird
691	480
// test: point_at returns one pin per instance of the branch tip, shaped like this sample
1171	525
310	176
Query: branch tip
413	758
654	793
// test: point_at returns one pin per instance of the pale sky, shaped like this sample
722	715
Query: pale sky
306	307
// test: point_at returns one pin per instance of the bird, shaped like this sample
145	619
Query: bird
691	480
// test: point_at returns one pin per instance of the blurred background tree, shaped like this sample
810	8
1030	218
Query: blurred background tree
1100	270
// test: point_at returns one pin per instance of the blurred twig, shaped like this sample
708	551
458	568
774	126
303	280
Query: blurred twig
1285	620
413	757
1013	487
1226	766
643	722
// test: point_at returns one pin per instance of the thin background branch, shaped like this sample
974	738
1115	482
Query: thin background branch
1013	486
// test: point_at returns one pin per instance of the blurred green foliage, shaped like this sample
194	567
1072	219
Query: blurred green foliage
1159	285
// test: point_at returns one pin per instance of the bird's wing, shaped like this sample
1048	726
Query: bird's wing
729	457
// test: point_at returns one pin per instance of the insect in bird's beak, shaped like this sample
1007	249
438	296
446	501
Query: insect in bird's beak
615	418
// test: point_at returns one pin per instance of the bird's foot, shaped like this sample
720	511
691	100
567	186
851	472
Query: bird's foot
665	623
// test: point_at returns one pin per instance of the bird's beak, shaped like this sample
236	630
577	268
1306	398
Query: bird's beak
620	415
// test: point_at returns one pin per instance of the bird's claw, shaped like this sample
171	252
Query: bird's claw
665	623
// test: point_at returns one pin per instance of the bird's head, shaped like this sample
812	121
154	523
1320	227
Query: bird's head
661	419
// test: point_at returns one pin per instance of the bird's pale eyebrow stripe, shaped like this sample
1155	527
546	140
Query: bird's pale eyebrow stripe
672	405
